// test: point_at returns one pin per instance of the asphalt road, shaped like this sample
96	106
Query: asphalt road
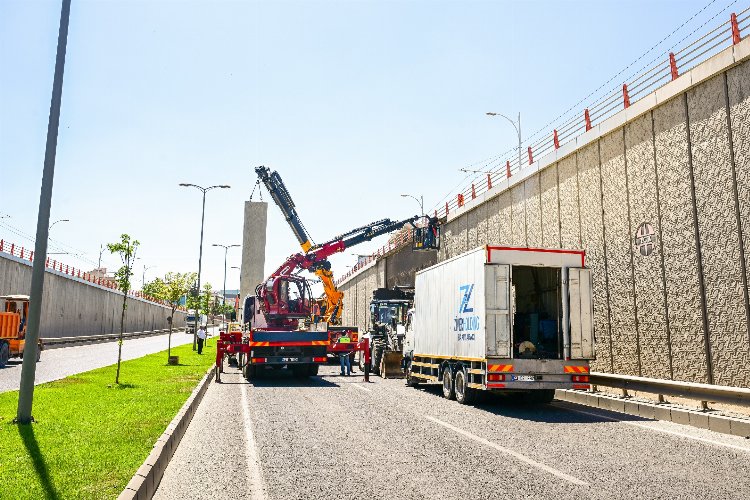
59	363
337	437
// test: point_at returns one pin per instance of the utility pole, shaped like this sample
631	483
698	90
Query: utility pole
28	370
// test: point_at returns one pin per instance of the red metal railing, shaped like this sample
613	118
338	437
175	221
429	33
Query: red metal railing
678	62
670	68
26	254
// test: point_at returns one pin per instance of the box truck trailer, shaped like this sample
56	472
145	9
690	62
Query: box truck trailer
502	319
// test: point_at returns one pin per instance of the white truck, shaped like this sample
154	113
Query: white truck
502	319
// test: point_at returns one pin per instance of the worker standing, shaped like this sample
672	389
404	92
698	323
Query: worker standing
344	356
316	312
201	338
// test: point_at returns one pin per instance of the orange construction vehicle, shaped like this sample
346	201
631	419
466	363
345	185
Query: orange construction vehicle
13	328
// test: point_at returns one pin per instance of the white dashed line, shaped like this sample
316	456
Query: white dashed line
254	472
514	454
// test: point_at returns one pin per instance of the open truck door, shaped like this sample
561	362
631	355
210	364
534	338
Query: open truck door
581	313
497	310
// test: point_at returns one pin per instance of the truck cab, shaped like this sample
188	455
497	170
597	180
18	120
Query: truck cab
13	318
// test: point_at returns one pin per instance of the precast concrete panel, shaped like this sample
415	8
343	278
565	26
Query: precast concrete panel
618	254
472	222
253	247
446	247
493	220
482	227
592	241
719	233
505	227
550	207
533	212
647	269
518	215
570	219
460	236
738	84
677	238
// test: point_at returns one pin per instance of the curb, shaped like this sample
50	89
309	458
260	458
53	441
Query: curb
145	481
659	411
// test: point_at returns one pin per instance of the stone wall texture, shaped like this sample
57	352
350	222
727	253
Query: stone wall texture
674	305
73	307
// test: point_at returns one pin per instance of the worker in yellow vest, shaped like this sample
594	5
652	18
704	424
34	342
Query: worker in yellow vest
344	356
316	312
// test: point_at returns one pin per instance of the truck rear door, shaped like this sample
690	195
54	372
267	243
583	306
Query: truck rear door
497	310
581	313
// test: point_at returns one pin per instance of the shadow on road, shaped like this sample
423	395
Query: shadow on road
282	378
40	466
562	412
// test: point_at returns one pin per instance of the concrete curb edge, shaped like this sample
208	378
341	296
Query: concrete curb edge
145	481
659	411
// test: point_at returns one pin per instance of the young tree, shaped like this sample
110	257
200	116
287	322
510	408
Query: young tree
155	289
176	286
126	248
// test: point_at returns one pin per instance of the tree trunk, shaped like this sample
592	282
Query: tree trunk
169	345
119	342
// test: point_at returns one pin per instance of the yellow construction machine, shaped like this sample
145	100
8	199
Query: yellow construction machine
13	328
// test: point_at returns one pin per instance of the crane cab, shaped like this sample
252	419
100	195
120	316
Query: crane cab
15	312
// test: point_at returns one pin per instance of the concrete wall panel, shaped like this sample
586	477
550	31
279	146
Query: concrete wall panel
550	208
253	246
505	205
647	269
518	215
493	220
618	253
570	218
533	212
677	237
738	84
460	240
74	307
482	227
719	234
592	240
472	222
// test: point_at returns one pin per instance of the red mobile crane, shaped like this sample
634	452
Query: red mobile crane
284	298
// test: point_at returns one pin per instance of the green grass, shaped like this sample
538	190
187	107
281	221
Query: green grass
90	436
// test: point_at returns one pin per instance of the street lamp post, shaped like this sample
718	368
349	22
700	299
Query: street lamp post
236	303
143	276
517	126
53	224
419	200
226	249
200	251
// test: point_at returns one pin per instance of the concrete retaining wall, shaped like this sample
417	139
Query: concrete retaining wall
681	166
677	163
74	307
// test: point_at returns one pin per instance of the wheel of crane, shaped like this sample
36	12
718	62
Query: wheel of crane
4	353
312	370
449	390
250	372
411	381
299	371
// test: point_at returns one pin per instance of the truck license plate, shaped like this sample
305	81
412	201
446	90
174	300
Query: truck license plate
522	378
289	359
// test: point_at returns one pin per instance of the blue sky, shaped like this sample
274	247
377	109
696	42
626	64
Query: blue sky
353	102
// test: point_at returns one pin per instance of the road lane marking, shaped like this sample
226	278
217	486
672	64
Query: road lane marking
664	431
514	454
254	472
360	388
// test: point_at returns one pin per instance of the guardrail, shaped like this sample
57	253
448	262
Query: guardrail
689	390
55	342
668	67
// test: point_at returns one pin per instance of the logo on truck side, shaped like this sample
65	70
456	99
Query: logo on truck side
464	320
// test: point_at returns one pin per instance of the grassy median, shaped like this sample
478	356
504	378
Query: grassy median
90	436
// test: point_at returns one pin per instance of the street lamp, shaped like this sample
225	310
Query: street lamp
53	224
200	251
226	248
418	200
517	126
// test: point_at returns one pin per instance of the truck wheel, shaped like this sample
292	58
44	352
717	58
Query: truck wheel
251	372
464	393
4	354
300	371
312	370
540	396
38	353
449	391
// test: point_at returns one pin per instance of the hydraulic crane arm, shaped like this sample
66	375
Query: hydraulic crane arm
279	193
